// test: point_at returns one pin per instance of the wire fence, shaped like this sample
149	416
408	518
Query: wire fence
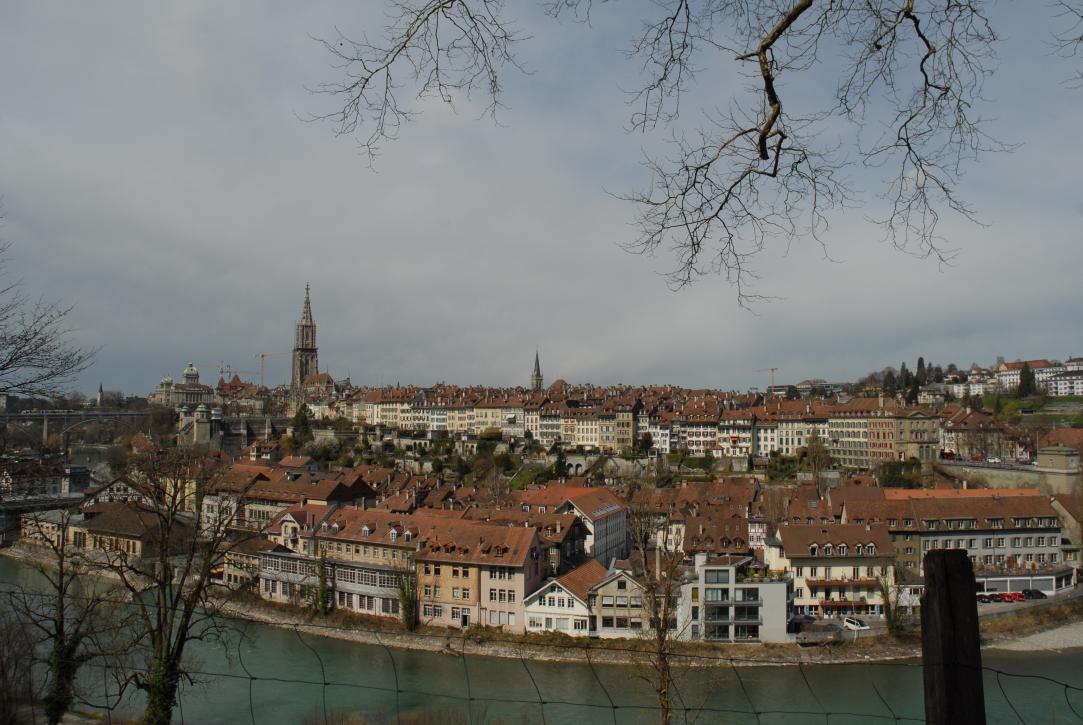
291	673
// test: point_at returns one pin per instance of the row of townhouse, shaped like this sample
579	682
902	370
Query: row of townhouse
826	571
998	531
472	564
606	425
464	572
718	599
860	433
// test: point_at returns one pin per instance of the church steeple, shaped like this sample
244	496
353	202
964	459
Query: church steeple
536	377
305	353
306	311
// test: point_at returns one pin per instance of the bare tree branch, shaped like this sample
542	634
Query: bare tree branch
36	357
759	172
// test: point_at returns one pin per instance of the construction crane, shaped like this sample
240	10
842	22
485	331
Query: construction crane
228	371
263	361
772	371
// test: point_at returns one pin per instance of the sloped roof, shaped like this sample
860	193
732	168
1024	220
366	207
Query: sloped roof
580	580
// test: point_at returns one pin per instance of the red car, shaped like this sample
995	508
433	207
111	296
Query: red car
1012	597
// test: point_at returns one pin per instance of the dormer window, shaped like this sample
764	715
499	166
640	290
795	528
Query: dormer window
858	549
408	536
827	549
365	531
870	550
842	549
813	550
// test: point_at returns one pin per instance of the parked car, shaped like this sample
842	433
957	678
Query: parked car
1034	594
984	598
994	459
854	624
995	596
1012	597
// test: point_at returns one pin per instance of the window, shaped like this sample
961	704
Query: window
622	584
716	576
716	595
749	594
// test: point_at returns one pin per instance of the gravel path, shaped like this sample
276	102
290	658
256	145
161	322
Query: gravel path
1067	636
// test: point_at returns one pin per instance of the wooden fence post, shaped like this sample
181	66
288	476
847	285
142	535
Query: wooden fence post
950	643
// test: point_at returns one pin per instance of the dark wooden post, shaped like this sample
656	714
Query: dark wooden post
950	644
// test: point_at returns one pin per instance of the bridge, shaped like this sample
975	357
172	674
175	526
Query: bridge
63	419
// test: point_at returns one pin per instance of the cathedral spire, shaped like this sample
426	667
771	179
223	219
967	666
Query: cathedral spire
306	311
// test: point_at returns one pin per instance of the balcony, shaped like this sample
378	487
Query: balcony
842	583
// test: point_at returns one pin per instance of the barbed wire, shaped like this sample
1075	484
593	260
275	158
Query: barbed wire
680	706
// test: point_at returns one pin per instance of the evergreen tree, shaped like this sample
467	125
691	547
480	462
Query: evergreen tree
904	377
1027	384
302	428
321	585
921	374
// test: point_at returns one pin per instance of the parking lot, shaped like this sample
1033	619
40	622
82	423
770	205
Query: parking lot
997	608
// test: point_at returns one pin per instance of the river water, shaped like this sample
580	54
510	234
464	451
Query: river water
264	674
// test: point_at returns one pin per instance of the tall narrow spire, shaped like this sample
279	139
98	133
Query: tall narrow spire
536	377
306	311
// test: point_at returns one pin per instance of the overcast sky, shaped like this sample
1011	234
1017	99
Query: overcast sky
154	172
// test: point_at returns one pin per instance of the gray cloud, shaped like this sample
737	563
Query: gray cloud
154	172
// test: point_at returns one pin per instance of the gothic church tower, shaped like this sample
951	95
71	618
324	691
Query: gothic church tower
305	354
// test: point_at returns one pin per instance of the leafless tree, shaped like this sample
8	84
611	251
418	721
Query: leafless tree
891	595
662	570
16	660
37	357
1069	39
74	612
172	583
762	168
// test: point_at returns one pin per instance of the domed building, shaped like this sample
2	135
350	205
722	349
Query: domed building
191	392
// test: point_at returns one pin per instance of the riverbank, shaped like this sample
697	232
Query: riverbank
1033	629
484	642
